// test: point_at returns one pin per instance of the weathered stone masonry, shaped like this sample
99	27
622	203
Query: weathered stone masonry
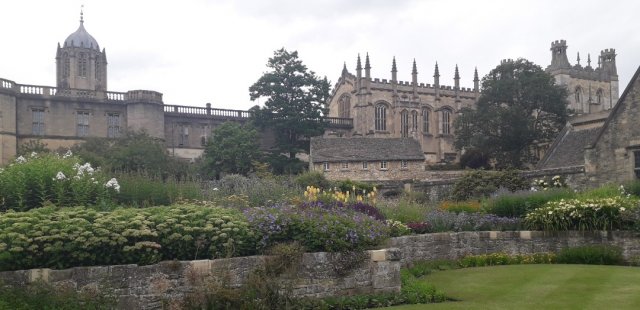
149	287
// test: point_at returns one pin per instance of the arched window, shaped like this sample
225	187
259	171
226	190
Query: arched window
344	106
67	65
414	121
381	116
599	96
82	65
404	123
426	114
445	121
578	94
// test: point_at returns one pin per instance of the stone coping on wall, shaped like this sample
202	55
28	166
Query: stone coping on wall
456	245
152	286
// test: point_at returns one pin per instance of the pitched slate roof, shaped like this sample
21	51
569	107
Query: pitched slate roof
568	148
364	149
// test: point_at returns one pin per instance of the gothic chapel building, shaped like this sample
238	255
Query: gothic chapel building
383	108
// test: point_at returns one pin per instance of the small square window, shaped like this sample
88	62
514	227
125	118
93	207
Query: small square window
383	165
325	166
365	165
404	164
345	165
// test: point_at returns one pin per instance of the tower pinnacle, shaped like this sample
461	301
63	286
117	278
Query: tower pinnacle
394	68
82	13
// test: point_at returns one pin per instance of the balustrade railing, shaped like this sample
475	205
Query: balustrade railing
206	111
339	122
115	96
6	84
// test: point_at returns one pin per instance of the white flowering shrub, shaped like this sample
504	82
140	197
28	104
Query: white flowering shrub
52	237
583	214
543	184
29	182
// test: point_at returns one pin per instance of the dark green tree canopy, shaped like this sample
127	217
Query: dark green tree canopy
295	102
233	148
519	106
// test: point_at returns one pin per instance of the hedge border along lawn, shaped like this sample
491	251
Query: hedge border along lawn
536	287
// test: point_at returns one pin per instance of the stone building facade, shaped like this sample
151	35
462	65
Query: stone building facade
614	154
383	108
80	106
366	159
591	90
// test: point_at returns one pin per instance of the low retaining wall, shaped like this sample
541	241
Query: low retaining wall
150	287
457	245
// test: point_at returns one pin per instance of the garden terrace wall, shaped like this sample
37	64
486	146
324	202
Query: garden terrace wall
458	245
440	185
152	286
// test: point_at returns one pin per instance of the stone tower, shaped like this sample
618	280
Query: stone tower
79	62
590	89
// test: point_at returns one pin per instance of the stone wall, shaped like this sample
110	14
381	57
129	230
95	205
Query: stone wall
457	245
149	287
439	185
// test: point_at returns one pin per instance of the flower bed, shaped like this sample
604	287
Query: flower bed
582	214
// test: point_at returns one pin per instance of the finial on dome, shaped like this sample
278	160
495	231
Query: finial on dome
82	14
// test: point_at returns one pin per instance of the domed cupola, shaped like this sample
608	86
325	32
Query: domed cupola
81	38
80	64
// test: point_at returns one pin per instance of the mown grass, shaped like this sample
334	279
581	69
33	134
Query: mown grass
536	287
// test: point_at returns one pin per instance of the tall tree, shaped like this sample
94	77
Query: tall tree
295	102
233	148
519	106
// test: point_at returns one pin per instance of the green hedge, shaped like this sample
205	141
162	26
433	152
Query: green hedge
69	237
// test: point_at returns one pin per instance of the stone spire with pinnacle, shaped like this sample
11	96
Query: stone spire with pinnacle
456	78
436	82
589	60
578	59
394	79
344	69
414	79
476	82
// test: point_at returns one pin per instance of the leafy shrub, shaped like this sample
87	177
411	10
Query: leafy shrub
419	227
144	190
42	296
591	255
480	183
404	210
354	186
29	182
313	178
397	229
69	237
581	214
316	228
470	206
519	203
257	192
494	259
605	191
633	188
443	221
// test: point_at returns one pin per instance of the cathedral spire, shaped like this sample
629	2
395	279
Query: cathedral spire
456	75
415	68
82	14
344	69
578	59
589	60
414	80
358	64
476	82
436	82
394	68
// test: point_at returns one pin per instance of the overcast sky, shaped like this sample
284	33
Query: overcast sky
199	51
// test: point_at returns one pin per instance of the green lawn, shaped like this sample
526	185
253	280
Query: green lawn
537	287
